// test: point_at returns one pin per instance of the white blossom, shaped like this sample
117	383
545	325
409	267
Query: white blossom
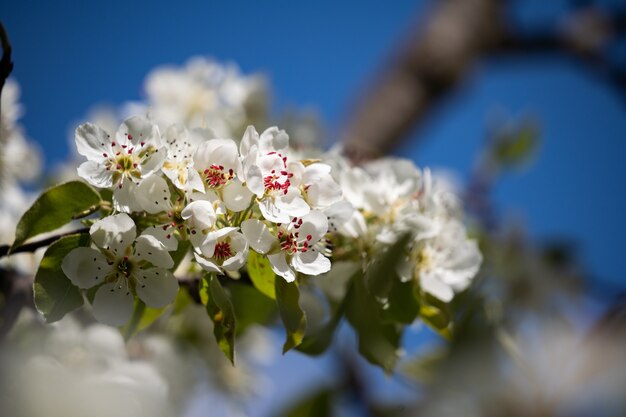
121	264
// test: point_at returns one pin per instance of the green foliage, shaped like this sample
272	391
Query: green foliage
378	342
220	309
403	305
317	405
261	274
380	274
294	320
141	319
251	307
516	146
436	314
55	208
54	293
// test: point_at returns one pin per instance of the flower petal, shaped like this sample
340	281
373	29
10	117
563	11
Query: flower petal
207	264
95	174
161	233
114	233
310	263
92	142
124	198
153	195
156	287
113	305
258	235
85	267
314	224
237	197
280	267
200	214
433	285
150	249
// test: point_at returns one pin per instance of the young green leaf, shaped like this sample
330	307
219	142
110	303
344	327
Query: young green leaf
142	317
380	274
378	342
220	310
251	307
54	293
261	274
55	208
294	320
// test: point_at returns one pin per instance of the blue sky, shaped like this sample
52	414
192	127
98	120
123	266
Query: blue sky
71	55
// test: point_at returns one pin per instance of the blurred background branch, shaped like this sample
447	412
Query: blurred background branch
435	59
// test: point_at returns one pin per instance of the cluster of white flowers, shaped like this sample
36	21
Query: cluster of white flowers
204	93
391	197
20	162
77	371
221	197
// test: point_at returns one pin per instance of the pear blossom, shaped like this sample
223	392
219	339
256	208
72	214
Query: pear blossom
293	246
179	164
219	166
271	176
223	250
122	264
123	162
445	264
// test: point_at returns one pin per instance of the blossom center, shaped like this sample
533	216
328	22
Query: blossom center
222	250
216	176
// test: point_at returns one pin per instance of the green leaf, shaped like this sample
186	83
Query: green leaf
436	314
261	274
251	307
516	146
55	208
378	342
317	343
316	405
381	273
221	311
179	254
141	319
402	305
294	320
54	293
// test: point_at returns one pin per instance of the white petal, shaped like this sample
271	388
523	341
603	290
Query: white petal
113	305
149	248
218	152
85	267
254	180
207	264
280	267
156	287
250	138
314	224
194	181
95	174
292	203
258	235
92	142
153	195
273	139
160	233
124	198
237	197
271	212
324	192
137	129
310	263
114	233
431	283
200	215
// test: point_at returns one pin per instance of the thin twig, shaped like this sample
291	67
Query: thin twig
33	246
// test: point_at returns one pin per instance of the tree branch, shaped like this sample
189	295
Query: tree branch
33	246
434	61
